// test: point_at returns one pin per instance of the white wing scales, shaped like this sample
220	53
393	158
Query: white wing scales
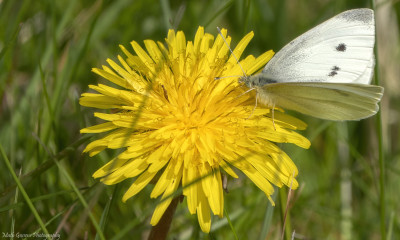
325	72
338	50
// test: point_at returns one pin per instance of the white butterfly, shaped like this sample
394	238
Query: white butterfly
325	72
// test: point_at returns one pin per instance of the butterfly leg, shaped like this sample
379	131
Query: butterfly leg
251	89
253	108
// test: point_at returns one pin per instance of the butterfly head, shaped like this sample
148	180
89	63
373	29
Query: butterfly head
247	80
252	81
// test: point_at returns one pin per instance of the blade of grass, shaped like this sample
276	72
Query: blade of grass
70	73
286	220
390	228
24	103
44	166
79	195
106	211
16	205
219	12
55	235
166	13
23	192
346	224
12	211
46	97
230	223
15	26
267	223
246	9
380	144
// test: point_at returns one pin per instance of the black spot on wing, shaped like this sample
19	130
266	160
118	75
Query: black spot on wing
334	71
341	47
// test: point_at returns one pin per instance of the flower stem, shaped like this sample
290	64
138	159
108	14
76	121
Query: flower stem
160	231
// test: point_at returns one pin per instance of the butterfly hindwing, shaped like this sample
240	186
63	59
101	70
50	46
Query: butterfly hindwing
333	101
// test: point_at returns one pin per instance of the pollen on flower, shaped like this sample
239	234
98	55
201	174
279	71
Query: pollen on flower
176	122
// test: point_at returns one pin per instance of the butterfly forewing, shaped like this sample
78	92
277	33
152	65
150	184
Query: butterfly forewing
338	50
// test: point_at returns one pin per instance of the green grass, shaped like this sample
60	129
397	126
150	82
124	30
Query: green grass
47	50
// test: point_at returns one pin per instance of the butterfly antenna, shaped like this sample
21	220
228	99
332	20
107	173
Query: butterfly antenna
237	60
244	73
218	78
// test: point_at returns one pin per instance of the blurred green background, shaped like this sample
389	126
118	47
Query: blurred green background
47	50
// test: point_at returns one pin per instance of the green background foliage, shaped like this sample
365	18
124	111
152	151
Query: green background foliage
47	50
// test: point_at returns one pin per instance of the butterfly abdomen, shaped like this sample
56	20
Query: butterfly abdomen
258	82
265	98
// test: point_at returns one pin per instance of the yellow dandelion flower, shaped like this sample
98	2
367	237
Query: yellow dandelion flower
183	128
